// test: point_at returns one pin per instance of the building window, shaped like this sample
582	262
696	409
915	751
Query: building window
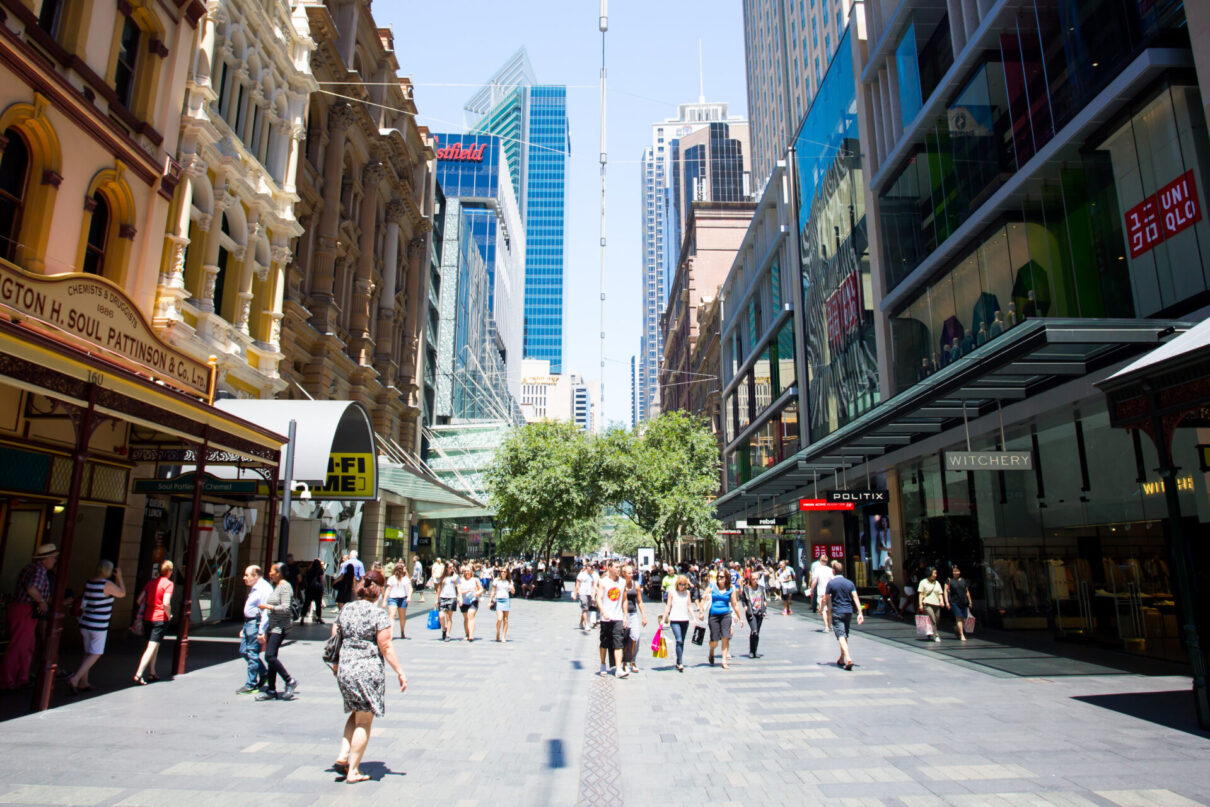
48	16
98	236
128	56
14	173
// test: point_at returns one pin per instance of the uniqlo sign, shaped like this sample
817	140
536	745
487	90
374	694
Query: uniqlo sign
835	551
1163	214
842	309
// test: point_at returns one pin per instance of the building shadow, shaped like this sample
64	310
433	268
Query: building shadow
1173	709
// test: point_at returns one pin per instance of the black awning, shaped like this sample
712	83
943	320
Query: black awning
1032	357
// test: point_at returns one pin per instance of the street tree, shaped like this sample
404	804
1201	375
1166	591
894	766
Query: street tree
663	476
543	486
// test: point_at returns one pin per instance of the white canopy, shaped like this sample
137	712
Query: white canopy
1194	340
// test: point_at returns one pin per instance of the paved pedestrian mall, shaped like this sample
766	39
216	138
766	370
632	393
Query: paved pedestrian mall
529	723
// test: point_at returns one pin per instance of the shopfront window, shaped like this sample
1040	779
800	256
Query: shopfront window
762	383
783	350
909	76
1048	67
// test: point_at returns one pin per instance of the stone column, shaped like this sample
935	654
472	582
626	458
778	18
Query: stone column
243	307
210	268
324	315
171	289
361	345
384	360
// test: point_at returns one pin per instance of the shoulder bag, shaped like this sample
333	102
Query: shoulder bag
331	654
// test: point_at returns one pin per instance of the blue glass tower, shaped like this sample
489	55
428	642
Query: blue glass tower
531	121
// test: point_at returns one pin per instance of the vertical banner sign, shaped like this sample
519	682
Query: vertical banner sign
1172	209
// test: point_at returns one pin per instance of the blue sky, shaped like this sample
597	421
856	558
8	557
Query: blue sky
652	59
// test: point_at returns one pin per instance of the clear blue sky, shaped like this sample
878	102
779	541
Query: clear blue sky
651	55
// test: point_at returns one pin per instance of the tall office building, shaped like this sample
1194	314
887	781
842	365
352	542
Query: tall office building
531	121
788	46
699	156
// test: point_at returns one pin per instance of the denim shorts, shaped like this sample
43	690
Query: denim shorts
398	602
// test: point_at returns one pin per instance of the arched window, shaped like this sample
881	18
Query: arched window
128	58
14	176
98	236
220	279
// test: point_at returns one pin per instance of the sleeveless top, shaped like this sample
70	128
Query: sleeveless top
95	607
632	601
720	601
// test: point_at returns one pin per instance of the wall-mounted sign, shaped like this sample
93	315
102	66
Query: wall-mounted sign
835	551
459	153
729	532
843	309
989	461
95	312
350	476
1163	214
761	523
823	504
184	484
858	496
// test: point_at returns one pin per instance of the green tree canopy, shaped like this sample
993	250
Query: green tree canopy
543	485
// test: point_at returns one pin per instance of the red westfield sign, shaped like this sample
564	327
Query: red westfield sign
1163	214
460	153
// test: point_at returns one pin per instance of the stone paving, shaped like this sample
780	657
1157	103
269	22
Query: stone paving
489	724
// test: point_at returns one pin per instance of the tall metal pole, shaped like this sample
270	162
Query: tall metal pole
604	26
283	539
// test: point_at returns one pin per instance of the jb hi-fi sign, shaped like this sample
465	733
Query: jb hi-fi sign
456	152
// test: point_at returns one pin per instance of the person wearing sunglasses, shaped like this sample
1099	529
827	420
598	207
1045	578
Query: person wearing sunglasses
677	616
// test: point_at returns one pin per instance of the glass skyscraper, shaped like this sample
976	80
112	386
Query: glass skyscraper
531	121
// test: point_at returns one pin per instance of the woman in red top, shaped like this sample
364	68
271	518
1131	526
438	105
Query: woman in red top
157	611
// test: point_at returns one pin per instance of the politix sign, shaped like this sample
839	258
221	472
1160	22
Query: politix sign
456	152
94	311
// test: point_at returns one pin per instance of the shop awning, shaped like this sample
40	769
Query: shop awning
335	450
1023	362
430	497
1169	382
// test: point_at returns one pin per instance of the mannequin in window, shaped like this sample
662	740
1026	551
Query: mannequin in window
983	336
998	325
955	351
1011	317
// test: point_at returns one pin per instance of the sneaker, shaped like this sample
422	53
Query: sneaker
288	694
246	690
937	639
623	674
267	695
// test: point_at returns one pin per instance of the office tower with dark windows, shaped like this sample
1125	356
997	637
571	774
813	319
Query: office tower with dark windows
699	156
788	45
531	121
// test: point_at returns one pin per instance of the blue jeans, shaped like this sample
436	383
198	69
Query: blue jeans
679	629
249	648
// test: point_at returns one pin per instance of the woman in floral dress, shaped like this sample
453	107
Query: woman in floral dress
365	632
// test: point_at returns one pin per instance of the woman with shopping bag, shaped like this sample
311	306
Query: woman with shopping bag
677	616
930	598
636	619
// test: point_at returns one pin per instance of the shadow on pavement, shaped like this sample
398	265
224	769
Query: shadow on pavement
1173	709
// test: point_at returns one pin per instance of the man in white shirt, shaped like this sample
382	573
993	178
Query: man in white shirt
611	602
584	592
253	633
821	575
785	581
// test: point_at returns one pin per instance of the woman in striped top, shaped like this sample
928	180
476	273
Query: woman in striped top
96	608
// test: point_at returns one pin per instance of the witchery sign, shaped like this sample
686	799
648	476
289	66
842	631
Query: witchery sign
989	461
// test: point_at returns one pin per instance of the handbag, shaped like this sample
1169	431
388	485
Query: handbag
434	620
493	605
924	625
331	654
655	642
699	634
295	609
969	626
662	650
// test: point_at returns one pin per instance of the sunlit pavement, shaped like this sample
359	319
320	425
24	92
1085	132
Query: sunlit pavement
530	723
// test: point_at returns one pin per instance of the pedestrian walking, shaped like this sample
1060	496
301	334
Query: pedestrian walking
445	583
502	593
610	597
787	585
277	606
157	613
469	592
636	619
96	607
584	591
677	616
418	578
365	649
930	596
399	591
756	604
251	637
31	600
313	591
958	598
820	577
843	602
723	603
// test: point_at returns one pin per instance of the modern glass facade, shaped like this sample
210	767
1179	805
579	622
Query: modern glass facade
546	167
842	381
470	168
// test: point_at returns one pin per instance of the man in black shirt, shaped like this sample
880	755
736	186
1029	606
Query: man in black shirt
841	595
